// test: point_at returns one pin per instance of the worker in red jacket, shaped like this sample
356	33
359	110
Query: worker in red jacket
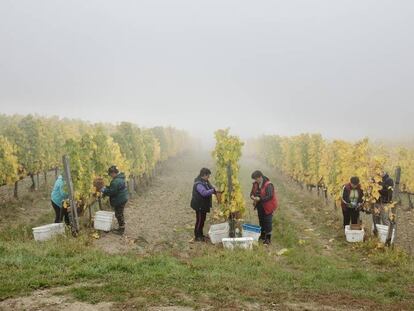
265	202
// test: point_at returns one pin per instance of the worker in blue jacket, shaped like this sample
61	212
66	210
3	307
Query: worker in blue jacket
58	196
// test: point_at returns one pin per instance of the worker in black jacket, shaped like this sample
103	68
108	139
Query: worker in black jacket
386	196
118	196
387	190
201	202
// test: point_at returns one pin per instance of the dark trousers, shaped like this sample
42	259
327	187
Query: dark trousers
199	225
265	222
350	215
60	213
119	214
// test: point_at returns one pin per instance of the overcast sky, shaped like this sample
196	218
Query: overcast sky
342	68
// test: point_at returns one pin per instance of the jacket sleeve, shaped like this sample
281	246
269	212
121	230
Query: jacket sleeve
270	190
203	191
345	196
389	183
112	189
252	192
361	196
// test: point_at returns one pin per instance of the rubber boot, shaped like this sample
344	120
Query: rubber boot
120	231
268	239
262	236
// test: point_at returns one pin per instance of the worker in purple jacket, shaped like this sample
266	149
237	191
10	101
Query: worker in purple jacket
201	201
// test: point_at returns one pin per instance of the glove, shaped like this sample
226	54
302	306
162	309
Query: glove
353	205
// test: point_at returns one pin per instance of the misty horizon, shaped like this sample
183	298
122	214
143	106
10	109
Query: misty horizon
344	70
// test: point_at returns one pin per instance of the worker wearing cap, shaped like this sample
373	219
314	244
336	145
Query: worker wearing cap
118	196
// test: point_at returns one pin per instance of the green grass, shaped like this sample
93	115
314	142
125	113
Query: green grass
219	275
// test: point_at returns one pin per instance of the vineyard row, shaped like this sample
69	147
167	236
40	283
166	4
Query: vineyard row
30	145
317	162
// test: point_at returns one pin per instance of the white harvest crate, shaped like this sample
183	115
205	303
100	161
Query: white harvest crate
354	235
103	220
46	232
232	243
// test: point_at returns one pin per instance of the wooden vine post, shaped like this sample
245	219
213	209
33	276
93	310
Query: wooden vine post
100	203
74	221
410	201
392	224
232	221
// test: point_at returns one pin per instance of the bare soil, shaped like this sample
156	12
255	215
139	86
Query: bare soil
51	300
161	218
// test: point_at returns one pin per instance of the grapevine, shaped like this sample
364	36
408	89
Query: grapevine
312	160
228	151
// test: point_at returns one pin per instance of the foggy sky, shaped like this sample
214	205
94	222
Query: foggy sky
341	68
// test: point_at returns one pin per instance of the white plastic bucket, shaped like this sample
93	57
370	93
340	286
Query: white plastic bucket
218	232
383	233
232	243
103	220
46	232
354	235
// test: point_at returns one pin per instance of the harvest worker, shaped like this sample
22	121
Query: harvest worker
265	201
386	194
118	196
387	190
57	196
352	199
201	202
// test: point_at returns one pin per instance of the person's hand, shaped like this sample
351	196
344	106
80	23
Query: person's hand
257	199
353	205
252	197
102	189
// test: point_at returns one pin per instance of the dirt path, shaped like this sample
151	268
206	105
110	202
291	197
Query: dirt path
51	300
161	218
